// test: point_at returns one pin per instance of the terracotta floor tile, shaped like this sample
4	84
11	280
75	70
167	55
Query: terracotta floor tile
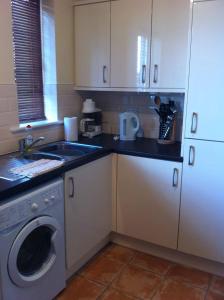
112	294
176	290
193	276
102	269
137	282
152	263
81	289
214	296
120	253
217	284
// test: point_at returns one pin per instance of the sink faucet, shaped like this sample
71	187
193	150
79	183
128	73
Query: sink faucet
24	147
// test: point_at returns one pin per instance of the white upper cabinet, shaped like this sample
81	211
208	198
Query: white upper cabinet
130	43
92	45
202	205
148	199
206	91
170	27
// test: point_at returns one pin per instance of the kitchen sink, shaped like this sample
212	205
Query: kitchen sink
69	149
4	180
40	155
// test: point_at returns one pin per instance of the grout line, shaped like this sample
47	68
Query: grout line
209	286
158	288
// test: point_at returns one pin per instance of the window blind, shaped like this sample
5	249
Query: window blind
28	59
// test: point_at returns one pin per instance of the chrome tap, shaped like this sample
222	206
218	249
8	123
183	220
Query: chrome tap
24	147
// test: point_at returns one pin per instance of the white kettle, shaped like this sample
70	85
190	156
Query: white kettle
129	125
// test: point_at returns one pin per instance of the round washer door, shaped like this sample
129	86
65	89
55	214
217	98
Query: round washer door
34	251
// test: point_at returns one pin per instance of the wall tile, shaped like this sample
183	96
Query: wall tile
113	103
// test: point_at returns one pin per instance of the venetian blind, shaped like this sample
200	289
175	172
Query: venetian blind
28	61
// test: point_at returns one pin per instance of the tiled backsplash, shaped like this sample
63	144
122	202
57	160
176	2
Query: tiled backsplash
113	103
69	104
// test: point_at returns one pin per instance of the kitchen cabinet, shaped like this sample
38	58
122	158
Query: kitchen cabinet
202	205
92	45
148	199
205	104
88	208
170	27
130	43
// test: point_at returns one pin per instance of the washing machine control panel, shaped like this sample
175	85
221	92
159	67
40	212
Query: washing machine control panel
30	204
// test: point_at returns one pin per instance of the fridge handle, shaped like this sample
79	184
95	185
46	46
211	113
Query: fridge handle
191	159
194	122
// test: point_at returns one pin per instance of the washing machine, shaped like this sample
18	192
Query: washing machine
32	247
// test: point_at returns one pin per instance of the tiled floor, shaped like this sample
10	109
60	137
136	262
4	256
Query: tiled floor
119	273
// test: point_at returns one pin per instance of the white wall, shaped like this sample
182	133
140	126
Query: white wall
6	48
64	41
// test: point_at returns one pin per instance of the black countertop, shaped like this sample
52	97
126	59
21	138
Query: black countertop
141	147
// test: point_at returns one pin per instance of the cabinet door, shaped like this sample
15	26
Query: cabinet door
202	205
88	207
148	199
170	26
206	93
130	43
92	45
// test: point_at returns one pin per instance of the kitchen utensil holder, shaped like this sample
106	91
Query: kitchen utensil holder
170	138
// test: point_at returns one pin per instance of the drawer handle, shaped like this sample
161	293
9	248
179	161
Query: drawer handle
143	73
156	69
191	160
104	74
71	184
194	122
175	177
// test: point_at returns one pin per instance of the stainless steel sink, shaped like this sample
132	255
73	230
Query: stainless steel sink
40	155
5	180
66	149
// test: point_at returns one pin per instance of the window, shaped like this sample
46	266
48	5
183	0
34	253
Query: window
28	59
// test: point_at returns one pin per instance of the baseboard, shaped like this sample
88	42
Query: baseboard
71	271
172	255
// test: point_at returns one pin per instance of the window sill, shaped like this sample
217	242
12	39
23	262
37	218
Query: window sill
35	125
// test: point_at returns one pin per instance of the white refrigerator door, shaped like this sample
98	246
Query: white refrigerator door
202	200
205	109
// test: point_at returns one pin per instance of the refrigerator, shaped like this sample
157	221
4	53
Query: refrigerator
202	199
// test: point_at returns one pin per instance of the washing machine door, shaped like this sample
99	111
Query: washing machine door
34	251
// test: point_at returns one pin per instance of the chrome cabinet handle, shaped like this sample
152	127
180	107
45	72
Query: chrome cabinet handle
175	177
194	122
143	73
71	183
191	159
156	68
104	74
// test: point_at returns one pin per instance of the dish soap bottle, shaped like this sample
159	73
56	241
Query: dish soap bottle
29	137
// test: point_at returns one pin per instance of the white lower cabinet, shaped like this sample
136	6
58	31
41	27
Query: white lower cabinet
88	208
148	199
202	200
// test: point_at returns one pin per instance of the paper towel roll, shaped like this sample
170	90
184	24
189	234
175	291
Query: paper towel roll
71	129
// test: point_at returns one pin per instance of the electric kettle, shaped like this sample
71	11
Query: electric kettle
129	125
